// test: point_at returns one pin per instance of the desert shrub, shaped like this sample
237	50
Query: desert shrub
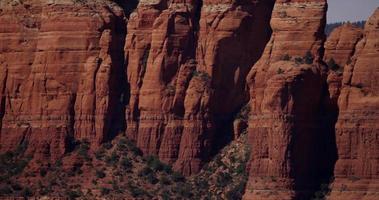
299	60
107	145
243	114
125	163
99	154
333	65
165	195
177	177
241	168
201	183
286	57
145	171
100	174
73	194
133	148
151	178
84	146
280	71
223	179
164	180
183	189
135	191
204	76
308	58
104	191
154	163
112	159
236	192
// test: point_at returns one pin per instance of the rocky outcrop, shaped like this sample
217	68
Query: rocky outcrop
340	45
182	58
339	48
356	170
286	93
61	74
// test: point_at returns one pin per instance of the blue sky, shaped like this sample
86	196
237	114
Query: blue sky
350	10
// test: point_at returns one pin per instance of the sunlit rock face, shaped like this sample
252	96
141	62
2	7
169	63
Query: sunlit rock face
286	93
182	58
61	69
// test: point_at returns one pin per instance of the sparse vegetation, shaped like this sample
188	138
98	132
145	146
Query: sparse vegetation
204	76
286	57
308	58
280	71
119	169
333	65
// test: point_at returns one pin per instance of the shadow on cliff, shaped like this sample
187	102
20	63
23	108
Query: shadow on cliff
238	55
118	81
314	154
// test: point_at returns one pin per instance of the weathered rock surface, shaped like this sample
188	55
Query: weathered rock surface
182	58
286	93
340	45
357	168
61	69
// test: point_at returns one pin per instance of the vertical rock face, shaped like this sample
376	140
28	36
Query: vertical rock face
356	171
286	90
340	45
339	48
61	69
182	58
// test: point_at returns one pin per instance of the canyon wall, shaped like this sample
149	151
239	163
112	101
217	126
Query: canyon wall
287	88
183	77
182	57
61	69
357	168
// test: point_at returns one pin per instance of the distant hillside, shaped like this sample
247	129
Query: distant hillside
330	27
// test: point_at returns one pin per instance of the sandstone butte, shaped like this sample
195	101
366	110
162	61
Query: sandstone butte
175	74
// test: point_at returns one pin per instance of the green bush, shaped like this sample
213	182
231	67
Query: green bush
107	145
223	179
299	60
164	180
99	154
308	58
286	57
184	190
178	177
236	192
241	168
112	159
126	164
73	194
135	190
154	163
333	65
145	171
151	178
104	191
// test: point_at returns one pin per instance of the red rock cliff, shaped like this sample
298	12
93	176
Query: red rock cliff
286	90
340	45
356	171
61	65
182	58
